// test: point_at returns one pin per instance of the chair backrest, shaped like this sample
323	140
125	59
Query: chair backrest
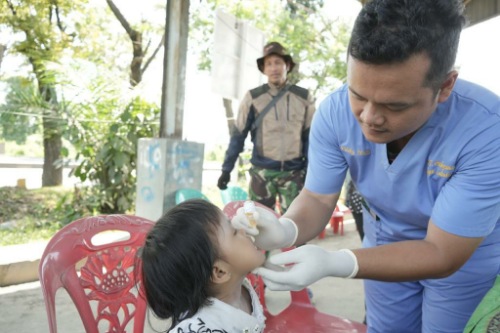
99	270
233	193
184	194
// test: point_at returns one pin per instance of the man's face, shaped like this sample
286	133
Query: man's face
237	249
390	101
275	68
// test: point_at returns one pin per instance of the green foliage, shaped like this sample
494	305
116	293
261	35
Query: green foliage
318	44
77	204
108	149
32	147
216	153
43	32
37	20
22	100
38	214
298	6
43	35
34	214
69	45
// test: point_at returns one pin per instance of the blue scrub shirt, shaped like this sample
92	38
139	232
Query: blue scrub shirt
449	172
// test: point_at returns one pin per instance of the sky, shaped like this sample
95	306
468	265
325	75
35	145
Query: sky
478	58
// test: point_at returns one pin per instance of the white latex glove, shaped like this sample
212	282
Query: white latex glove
271	233
310	264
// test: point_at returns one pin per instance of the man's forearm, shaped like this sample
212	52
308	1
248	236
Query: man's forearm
406	261
311	213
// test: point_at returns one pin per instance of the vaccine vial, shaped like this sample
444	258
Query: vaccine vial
249	209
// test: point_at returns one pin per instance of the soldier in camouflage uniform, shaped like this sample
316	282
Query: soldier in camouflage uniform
281	138
266	184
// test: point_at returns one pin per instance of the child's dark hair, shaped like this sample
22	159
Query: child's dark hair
390	31
178	257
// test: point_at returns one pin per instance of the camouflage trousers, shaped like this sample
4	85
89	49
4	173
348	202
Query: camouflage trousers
266	185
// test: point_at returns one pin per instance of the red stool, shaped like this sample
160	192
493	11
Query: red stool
337	220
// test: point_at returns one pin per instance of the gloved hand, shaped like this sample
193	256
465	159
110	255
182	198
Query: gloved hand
224	178
271	232
310	264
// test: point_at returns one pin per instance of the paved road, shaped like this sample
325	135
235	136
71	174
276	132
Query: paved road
13	168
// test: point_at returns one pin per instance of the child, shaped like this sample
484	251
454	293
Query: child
194	265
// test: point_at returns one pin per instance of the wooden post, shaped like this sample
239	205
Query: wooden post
174	69
21	183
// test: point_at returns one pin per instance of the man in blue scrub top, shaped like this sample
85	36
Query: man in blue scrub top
423	148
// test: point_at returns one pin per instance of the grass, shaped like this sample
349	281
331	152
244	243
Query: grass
33	214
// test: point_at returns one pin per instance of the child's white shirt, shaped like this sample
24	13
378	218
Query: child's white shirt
220	317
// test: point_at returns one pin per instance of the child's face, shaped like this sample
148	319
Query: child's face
237	249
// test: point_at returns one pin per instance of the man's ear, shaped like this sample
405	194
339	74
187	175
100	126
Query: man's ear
447	86
220	272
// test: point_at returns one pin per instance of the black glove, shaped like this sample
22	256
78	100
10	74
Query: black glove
223	180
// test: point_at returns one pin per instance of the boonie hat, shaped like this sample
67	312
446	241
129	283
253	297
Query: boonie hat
278	49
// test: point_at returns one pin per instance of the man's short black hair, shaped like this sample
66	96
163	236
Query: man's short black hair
391	31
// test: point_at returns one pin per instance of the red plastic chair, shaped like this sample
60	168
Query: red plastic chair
337	221
300	315
101	279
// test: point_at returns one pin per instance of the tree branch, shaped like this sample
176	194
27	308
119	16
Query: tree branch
123	21
11	6
146	48
136	38
154	54
301	6
58	18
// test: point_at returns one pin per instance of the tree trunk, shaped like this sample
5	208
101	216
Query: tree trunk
228	106
52	144
135	36
37	50
136	64
52	135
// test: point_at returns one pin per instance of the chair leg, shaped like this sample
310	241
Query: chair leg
50	306
335	225
322	234
336	222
